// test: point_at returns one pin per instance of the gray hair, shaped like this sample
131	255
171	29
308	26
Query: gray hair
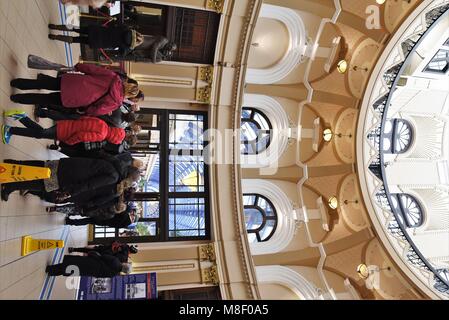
127	267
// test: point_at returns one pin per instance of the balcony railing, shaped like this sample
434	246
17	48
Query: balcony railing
437	278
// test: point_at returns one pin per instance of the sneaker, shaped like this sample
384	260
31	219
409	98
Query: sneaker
15	114
53	147
50	209
6	135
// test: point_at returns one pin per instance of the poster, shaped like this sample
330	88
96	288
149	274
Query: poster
130	287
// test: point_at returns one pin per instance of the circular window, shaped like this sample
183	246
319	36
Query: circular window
255	134
402	136
410	210
260	217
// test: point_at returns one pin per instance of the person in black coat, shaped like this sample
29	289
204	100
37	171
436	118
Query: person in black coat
69	177
84	149
93	265
121	220
102	37
103	211
119	119
117	249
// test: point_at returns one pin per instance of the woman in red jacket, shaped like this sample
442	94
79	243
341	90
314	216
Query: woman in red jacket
97	90
85	129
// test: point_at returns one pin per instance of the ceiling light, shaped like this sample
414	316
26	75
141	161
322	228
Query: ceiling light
327	134
342	66
333	203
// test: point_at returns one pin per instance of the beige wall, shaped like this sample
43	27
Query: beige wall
274	291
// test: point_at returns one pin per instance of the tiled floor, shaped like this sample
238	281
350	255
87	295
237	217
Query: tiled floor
23	30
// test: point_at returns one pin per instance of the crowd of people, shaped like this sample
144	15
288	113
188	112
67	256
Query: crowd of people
95	130
94	113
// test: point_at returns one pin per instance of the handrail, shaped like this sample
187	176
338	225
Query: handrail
392	77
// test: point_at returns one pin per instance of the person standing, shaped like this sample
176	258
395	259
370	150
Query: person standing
102	90
69	177
121	220
117	249
102	37
71	132
93	265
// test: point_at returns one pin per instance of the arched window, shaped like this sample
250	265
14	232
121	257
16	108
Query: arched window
256	132
260	217
398	136
409	208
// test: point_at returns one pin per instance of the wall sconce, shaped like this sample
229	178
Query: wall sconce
342	66
333	202
364	272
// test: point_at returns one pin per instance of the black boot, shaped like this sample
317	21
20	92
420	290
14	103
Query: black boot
59	27
67	39
14	83
5	191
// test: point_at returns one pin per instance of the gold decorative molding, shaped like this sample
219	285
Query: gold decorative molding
216	5
165	81
203	94
163	267
207	252
210	275
206	74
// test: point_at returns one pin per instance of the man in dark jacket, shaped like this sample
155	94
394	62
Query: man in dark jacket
94	265
117	249
102	37
70	176
121	220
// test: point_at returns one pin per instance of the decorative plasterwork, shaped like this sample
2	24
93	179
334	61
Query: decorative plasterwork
285	276
216	5
210	275
203	94
207	252
296	50
206	74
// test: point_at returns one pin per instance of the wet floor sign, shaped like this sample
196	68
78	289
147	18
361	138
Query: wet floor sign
29	244
17	172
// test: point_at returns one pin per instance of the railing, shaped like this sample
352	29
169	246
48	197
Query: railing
377	165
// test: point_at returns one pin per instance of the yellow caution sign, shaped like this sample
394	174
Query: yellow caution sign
17	172
29	244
